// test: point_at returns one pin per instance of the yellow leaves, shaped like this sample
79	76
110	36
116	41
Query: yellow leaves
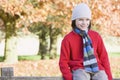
106	16
39	15
60	11
12	6
60	5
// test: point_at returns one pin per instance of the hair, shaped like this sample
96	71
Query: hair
73	25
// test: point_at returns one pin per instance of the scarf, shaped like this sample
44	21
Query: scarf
90	62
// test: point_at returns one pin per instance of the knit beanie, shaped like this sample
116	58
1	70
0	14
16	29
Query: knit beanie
80	11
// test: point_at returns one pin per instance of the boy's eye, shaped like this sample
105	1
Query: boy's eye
80	19
87	19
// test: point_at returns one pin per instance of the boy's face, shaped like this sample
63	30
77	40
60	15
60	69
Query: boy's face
82	23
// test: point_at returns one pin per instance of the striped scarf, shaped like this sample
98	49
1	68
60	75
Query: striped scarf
90	62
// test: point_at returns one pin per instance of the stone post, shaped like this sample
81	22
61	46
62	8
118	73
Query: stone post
7	72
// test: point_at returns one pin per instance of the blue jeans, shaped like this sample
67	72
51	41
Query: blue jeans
80	74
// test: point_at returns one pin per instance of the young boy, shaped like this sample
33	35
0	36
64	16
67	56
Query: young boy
83	55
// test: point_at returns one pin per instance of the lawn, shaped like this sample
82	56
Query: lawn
115	54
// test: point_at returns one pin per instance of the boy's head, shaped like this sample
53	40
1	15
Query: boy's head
81	17
81	11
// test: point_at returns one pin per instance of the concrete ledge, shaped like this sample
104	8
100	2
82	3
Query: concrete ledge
31	78
34	78
7	74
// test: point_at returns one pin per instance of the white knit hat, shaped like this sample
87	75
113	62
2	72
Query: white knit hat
80	11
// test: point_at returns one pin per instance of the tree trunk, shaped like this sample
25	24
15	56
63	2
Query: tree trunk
10	54
43	46
53	47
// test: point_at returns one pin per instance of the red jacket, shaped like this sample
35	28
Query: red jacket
71	56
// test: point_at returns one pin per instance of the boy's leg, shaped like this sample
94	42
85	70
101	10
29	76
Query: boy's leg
80	74
101	75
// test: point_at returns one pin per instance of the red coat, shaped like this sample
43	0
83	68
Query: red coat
71	56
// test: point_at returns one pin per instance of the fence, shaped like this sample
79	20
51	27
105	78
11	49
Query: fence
7	74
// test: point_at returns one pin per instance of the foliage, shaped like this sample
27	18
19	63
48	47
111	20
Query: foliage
58	13
106	16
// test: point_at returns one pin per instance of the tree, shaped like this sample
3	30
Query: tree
42	30
9	22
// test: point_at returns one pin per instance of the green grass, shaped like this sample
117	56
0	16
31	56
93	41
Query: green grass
32	57
20	58
114	54
38	57
1	59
